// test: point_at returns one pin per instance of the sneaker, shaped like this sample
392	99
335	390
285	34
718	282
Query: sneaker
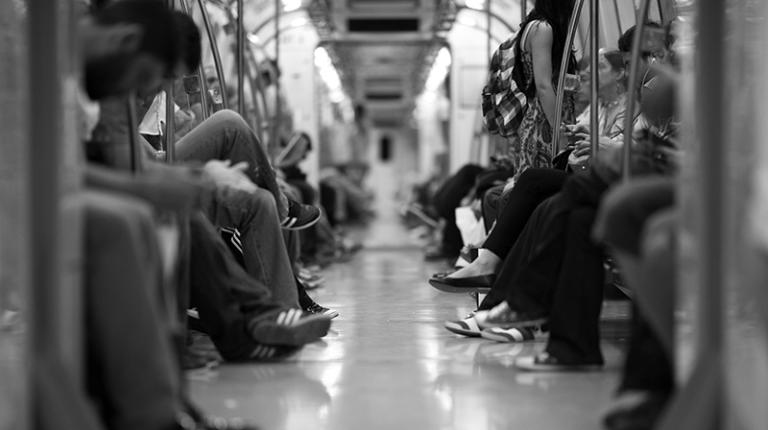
316	309
503	316
465	327
511	335
272	352
545	362
291	327
300	216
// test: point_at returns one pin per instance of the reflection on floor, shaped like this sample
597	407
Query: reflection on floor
389	364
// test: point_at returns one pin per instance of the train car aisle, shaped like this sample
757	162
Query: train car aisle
389	364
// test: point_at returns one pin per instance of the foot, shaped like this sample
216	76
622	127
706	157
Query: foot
485	264
316	309
635	410
511	335
460	285
504	317
291	327
300	216
465	327
545	362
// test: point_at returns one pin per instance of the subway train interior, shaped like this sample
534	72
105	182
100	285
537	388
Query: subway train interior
383	214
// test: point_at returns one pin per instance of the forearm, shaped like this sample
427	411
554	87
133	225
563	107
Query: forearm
548	101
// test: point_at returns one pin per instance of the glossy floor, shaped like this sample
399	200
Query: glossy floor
389	364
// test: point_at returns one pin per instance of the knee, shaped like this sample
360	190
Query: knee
618	206
229	119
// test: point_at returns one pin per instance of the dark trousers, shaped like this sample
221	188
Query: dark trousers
132	369
646	348
448	198
555	269
227	299
515	208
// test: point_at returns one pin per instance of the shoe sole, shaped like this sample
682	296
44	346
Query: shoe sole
505	338
446	288
307	330
527	364
455	328
515	324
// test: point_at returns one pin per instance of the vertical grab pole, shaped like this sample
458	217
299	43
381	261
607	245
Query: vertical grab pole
523	10
216	54
572	26
170	113
200	73
488	34
240	59
634	77
594	34
276	134
133	126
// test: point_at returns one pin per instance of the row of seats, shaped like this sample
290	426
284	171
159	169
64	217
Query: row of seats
215	247
554	220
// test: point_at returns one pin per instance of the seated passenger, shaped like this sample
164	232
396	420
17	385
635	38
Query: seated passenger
236	203
554	274
121	253
535	185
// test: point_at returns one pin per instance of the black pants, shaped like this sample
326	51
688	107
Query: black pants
555	269
226	298
533	187
647	367
448	198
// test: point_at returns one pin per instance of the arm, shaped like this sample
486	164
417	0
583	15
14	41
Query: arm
541	51
168	189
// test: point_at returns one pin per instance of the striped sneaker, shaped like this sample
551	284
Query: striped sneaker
511	335
272	352
465	327
300	216
292	327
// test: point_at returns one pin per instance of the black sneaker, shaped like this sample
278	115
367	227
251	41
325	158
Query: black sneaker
291	327
300	216
316	309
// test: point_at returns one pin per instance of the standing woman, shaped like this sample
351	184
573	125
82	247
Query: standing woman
538	56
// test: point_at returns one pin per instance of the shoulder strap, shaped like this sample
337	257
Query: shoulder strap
526	31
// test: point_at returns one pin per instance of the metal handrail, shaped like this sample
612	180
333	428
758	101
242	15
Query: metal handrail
133	126
572	26
170	113
594	35
250	65
216	54
634	77
200	72
275	143
240	54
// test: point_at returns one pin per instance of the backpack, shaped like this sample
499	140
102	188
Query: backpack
505	96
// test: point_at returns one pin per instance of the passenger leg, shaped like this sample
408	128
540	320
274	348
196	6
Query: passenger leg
129	347
238	312
533	187
264	250
226	136
446	200
575	314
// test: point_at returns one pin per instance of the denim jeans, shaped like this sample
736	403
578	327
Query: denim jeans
226	136
264	248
